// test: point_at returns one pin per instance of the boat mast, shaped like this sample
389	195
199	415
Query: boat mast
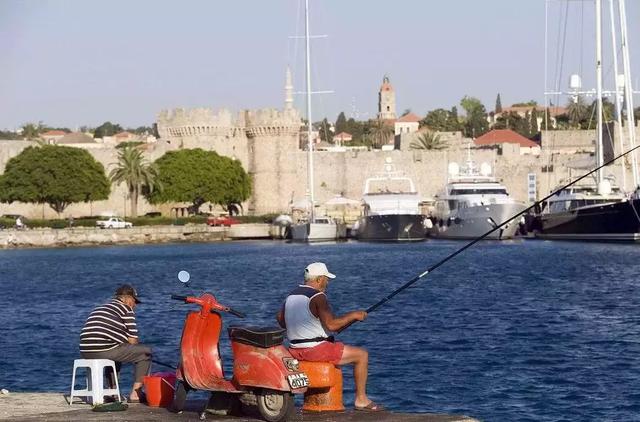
618	99
628	91
309	122
599	157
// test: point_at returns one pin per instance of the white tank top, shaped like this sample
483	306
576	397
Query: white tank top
301	323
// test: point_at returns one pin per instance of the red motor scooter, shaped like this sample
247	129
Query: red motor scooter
264	372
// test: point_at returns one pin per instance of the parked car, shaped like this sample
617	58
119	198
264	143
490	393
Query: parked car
153	214
114	223
223	220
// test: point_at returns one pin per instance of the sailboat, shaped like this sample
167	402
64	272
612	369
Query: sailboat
315	228
598	209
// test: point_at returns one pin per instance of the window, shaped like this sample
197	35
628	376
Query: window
472	191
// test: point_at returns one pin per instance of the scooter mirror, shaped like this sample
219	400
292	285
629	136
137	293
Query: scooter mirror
184	276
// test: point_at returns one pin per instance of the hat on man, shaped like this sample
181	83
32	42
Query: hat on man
317	269
128	290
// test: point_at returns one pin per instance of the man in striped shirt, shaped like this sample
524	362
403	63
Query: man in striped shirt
111	333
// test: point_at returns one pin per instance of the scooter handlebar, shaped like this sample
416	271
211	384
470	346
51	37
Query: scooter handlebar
177	297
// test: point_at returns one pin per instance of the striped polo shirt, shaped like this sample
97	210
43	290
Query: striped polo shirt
107	327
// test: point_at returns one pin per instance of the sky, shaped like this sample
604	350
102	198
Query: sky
71	63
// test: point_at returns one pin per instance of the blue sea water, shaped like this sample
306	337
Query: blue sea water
509	331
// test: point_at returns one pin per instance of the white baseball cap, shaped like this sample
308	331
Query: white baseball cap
317	269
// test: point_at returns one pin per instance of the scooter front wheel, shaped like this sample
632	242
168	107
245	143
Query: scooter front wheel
275	406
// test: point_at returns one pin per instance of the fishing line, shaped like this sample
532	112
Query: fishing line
476	240
164	364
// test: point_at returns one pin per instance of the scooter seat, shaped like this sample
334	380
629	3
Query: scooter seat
257	336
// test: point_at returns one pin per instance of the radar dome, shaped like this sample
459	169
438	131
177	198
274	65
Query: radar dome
454	169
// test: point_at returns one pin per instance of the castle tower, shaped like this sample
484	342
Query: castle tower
386	100
288	92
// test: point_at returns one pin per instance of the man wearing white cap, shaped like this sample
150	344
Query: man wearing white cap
307	316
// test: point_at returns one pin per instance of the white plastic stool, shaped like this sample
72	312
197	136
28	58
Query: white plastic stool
95	380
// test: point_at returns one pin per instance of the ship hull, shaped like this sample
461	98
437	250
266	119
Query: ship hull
618	221
391	228
317	232
473	222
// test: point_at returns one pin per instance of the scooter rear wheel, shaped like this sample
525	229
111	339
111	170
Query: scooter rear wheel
275	406
182	388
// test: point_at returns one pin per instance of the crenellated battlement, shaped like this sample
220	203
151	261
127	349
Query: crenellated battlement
181	122
272	122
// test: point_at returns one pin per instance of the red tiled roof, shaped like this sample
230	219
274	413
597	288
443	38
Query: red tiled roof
504	136
123	135
54	133
343	136
411	117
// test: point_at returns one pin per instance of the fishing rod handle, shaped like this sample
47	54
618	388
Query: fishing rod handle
178	297
236	313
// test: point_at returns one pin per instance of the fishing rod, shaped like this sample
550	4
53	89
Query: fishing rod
476	240
163	364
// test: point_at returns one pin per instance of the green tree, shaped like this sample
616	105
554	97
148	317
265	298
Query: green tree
428	141
455	119
533	125
577	112
107	129
136	172
379	133
31	131
341	123
531	103
9	135
498	108
54	175
325	130
442	120
405	112
197	176
475	123
513	121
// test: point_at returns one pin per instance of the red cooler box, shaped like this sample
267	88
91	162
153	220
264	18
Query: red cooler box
159	388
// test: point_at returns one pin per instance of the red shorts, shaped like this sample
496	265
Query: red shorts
323	352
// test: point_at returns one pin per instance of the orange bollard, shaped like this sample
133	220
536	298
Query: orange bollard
325	387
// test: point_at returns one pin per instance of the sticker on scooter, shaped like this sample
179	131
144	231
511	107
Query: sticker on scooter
298	380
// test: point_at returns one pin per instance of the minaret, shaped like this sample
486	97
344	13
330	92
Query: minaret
288	92
386	101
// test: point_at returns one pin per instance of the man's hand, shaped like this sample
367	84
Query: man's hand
132	340
359	315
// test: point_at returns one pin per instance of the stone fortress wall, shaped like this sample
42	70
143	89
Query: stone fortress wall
266	143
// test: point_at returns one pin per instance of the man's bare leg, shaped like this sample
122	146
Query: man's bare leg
134	391
360	359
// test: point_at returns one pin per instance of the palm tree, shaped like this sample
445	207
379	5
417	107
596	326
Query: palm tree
380	133
430	141
577	111
136	172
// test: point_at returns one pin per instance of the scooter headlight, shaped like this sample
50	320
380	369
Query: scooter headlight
291	364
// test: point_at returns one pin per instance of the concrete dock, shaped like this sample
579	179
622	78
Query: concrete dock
55	408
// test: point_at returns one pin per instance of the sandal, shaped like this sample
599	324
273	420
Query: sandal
371	407
142	398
